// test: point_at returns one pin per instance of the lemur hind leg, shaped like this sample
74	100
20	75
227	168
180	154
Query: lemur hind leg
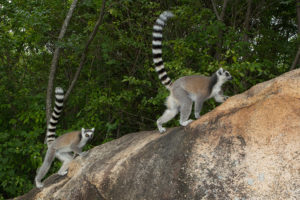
198	107
170	113
65	158
186	105
185	111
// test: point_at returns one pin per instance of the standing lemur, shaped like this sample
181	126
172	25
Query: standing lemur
63	146
185	90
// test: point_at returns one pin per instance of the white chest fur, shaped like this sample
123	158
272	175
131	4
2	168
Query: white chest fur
216	89
82	142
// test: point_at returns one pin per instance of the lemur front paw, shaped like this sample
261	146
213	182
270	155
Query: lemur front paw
225	98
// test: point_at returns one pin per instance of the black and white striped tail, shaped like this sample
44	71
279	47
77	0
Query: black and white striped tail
157	47
59	102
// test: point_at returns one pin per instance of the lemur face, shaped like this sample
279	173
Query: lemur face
224	75
87	133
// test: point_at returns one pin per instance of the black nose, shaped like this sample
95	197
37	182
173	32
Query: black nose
230	78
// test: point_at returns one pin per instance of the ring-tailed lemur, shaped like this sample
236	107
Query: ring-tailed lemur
63	146
185	90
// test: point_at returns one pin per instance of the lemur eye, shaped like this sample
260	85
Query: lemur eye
87	135
227	73
220	73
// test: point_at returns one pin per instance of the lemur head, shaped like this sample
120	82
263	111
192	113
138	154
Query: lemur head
87	133
223	75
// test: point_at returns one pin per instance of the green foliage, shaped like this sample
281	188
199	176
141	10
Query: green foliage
18	164
118	91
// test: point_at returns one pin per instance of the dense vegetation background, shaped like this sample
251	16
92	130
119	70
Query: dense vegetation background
118	91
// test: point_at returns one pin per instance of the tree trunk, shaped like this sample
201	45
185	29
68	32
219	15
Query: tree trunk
296	59
246	22
220	35
84	53
215	10
298	15
55	61
223	10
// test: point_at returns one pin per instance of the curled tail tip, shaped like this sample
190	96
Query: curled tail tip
168	14
161	20
59	90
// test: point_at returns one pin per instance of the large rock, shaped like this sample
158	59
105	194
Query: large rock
246	148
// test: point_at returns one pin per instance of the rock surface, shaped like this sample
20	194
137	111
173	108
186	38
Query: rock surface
246	148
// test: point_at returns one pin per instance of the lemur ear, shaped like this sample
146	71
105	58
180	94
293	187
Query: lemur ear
82	130
93	129
220	71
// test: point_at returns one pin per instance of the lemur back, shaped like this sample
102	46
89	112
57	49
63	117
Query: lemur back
61	142
191	84
185	90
